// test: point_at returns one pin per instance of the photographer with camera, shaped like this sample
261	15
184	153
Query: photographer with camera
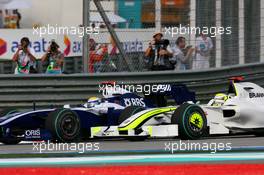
181	53
55	59
158	54
23	57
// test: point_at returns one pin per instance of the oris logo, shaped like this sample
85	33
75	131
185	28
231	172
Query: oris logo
32	133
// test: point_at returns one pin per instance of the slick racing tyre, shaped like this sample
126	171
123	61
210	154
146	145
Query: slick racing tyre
64	125
191	120
128	112
7	111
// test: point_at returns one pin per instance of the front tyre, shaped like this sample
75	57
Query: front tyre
191	121
128	112
64	125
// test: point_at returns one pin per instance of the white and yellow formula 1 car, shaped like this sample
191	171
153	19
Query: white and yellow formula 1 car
240	110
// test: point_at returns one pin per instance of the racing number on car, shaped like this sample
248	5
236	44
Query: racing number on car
134	102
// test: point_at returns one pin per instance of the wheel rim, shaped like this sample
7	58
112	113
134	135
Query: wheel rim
69	125
196	121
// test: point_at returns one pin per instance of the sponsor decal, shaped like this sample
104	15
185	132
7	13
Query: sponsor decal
39	46
164	88
3	46
32	134
67	43
134	102
133	46
256	95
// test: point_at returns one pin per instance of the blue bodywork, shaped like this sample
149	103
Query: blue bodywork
30	125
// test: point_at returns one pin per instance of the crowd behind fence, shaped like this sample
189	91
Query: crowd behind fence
244	44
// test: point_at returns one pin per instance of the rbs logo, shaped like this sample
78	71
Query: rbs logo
134	102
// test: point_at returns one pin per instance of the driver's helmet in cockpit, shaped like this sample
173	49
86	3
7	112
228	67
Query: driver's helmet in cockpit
221	96
219	99
93	101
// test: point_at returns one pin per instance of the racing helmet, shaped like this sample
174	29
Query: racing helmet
219	99
93	101
221	96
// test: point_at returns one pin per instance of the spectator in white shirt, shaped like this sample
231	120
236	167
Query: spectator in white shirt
204	46
181	54
23	57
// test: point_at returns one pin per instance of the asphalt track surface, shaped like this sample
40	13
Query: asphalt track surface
102	146
244	149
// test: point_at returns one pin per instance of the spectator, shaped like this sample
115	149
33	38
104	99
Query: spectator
17	18
6	19
112	48
158	54
204	46
181	54
12	20
92	44
23	57
55	59
96	58
1	19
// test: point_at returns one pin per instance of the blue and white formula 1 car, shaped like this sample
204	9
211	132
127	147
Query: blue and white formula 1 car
70	124
240	110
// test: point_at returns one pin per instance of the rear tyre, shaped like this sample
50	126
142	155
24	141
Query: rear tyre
64	125
191	120
128	112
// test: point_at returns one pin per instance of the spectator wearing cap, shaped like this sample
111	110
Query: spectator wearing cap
158	54
23	57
